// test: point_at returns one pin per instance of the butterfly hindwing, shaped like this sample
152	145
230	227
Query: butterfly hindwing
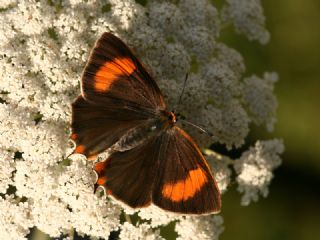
168	170
184	182
114	72
128	176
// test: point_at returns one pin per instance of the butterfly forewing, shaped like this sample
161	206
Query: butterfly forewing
114	72
118	94
129	175
97	127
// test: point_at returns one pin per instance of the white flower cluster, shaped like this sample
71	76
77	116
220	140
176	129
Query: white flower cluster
6	168
258	96
14	218
202	227
254	169
43	49
247	17
140	232
220	166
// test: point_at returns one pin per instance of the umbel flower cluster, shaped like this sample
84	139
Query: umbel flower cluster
44	45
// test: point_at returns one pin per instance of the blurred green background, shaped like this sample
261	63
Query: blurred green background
292	209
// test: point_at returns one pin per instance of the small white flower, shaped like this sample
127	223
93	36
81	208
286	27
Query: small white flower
220	168
167	16
200	227
254	169
247	17
7	166
158	216
140	232
14	218
258	95
51	216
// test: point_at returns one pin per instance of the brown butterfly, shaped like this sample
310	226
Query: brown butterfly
151	160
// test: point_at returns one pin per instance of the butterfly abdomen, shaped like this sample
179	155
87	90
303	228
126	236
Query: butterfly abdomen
136	136
140	134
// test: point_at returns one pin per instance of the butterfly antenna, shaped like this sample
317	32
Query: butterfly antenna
201	129
180	97
69	155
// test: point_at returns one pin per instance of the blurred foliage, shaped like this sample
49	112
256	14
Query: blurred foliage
292	210
295	53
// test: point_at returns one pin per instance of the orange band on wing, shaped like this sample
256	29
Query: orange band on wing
102	180
100	167
79	149
110	71
184	189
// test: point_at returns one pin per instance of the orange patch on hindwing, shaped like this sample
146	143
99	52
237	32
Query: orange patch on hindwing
109	72
102	180
80	149
187	188
100	167
74	136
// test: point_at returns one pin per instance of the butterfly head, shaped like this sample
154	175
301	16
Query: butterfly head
167	119
172	117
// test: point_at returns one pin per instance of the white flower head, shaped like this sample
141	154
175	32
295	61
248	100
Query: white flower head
254	169
140	232
51	216
44	46
220	167
247	17
202	227
158	216
14	218
7	166
258	95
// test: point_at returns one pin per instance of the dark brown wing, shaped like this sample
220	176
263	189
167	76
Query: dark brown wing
129	175
184	182
97	127
168	170
114	72
117	95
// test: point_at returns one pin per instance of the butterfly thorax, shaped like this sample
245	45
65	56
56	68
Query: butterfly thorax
166	120
143	132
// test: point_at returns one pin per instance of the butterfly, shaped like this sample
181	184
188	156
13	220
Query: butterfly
151	160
